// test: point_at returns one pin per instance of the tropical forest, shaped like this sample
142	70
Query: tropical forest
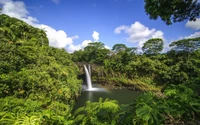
40	84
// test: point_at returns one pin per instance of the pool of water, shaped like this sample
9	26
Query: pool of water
123	96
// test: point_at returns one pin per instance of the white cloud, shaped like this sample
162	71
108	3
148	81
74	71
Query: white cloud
17	9
167	43
95	36
75	37
57	38
138	33
73	47
193	25
85	43
4	1
120	28
107	47
194	35
56	1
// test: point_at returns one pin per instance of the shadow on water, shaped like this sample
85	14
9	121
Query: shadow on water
91	92
123	96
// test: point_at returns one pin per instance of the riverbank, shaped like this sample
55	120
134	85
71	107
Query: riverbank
123	83
114	80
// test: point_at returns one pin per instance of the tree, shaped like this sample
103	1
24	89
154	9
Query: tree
153	46
172	11
95	52
94	45
119	47
188	45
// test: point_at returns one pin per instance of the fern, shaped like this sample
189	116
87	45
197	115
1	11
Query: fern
25	120
7	118
98	113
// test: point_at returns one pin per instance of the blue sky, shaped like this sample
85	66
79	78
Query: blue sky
72	24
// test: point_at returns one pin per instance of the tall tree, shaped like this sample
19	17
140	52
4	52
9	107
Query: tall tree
153	46
172	11
94	45
187	45
95	52
119	47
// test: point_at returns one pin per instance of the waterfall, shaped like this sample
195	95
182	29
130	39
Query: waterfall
88	77
89	70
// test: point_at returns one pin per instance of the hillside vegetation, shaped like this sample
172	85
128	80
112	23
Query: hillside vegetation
173	77
39	83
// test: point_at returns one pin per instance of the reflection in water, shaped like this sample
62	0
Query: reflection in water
89	95
95	88
123	96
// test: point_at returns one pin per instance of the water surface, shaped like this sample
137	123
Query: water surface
123	96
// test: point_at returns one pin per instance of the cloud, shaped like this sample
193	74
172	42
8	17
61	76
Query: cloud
167	43
120	28
17	9
95	36
107	47
193	25
194	35
56	1
138	33
71	48
4	1
57	38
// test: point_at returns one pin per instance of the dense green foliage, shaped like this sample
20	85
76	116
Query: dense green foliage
172	11
178	105
187	45
38	83
153	46
16	31
174	76
123	65
95	52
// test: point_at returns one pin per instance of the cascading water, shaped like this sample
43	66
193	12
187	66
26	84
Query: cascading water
88	77
89	70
